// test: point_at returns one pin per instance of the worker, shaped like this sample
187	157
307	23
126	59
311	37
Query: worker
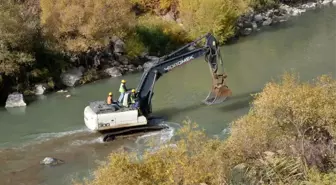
122	90
134	103
109	100
133	96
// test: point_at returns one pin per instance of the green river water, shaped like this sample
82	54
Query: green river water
53	125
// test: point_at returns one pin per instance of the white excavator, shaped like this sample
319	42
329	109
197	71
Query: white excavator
116	119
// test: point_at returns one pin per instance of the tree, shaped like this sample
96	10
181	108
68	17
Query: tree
218	16
17	32
79	24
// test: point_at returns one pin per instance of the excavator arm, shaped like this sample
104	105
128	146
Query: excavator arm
178	58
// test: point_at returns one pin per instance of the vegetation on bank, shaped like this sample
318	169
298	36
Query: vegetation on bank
38	38
288	137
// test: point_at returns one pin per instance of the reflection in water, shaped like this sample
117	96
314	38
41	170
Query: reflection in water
16	110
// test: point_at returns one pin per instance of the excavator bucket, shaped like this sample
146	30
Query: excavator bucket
219	90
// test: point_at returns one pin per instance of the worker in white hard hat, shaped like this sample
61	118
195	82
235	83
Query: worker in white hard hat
122	90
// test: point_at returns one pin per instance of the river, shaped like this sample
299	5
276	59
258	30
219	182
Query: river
53	125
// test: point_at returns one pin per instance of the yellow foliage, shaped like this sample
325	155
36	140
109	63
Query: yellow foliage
217	16
79	24
152	5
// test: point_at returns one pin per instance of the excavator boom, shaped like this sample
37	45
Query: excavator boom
219	90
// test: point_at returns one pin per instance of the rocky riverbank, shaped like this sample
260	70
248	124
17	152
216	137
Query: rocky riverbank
112	61
253	21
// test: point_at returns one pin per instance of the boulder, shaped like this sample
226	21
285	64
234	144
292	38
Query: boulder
39	89
119	45
169	16
267	22
148	65
326	2
15	100
246	31
51	161
238	174
72	76
258	18
308	6
139	68
152	61
254	26
123	60
113	72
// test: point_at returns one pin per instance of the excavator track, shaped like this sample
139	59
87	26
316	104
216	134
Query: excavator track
111	135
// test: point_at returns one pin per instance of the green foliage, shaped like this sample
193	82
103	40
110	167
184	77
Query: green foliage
263	4
134	46
199	159
159	36
89	76
315	177
79	24
17	32
217	16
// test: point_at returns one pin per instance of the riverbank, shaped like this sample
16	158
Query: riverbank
116	59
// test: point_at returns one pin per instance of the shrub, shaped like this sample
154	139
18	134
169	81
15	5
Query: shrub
78	24
17	32
217	16
156	6
160	36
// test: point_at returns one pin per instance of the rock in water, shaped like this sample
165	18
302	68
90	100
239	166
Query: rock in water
51	161
113	72
15	100
39	89
71	77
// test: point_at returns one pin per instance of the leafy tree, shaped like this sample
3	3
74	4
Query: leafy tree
17	32
79	24
218	16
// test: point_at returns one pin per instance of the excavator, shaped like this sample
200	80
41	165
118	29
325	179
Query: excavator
113	120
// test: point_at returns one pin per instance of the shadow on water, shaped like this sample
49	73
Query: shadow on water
231	104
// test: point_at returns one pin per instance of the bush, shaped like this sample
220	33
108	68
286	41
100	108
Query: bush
265	140
156	6
77	24
17	32
217	16
159	36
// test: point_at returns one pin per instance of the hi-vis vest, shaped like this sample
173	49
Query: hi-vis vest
121	88
132	98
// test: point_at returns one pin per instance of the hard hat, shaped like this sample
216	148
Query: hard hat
110	93
133	90
123	81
